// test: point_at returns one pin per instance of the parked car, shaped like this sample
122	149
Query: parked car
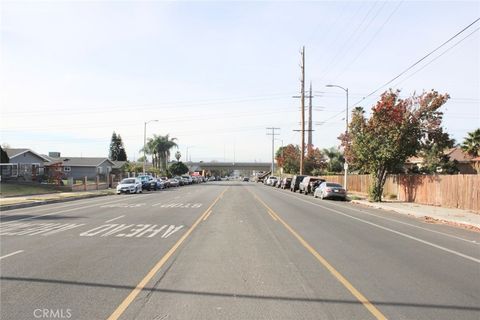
306	186
246	179
173	182
166	182
285	183
271	180
129	185
330	190
187	179
180	180
159	184
296	183
148	182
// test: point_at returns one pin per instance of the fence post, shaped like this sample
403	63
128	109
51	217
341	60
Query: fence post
97	181
85	183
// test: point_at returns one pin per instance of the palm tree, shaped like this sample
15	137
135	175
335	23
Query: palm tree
151	149
164	145
471	144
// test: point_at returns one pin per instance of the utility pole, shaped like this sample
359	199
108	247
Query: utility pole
273	134
302	144
145	142
345	165
310	143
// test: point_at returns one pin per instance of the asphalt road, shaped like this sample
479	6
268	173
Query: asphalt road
232	250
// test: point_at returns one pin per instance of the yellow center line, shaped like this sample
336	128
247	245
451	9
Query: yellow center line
208	215
133	294
360	297
272	214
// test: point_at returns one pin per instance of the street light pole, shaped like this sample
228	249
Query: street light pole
145	142
345	166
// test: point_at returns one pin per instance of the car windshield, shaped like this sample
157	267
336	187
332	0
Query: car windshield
229	159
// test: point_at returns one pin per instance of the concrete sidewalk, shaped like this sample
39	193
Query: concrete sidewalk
452	216
9	203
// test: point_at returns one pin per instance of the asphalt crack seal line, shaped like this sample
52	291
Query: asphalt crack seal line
360	297
133	294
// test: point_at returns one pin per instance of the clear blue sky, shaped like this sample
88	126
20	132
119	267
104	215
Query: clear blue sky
216	74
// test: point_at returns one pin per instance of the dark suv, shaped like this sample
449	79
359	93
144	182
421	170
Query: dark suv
296	182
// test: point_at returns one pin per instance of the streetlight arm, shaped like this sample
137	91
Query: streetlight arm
336	86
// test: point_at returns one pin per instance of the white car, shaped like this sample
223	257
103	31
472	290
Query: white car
129	185
271	180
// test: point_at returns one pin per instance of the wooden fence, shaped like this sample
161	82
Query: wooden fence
452	191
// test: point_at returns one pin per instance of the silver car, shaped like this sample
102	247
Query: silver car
129	185
330	190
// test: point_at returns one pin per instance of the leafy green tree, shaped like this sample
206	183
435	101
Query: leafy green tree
178	168
133	167
117	150
396	130
471	144
334	160
4	156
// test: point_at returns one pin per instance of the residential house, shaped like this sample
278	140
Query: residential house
80	167
466	164
24	163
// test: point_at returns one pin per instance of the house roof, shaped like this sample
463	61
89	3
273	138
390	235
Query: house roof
81	161
458	154
14	152
118	164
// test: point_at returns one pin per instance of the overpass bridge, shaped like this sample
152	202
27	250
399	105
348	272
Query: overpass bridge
248	167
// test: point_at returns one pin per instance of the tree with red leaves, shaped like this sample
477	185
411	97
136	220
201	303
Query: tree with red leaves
397	129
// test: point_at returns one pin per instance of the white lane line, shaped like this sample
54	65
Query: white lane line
396	232
69	210
389	219
407	224
115	218
11	254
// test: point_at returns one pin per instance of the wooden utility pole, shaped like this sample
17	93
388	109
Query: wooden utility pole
302	144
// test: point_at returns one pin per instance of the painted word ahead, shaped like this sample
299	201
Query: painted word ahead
132	231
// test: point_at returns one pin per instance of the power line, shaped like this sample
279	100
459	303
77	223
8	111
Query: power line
417	62
168	105
368	42
436	58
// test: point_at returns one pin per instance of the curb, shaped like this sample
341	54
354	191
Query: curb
36	203
425	217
